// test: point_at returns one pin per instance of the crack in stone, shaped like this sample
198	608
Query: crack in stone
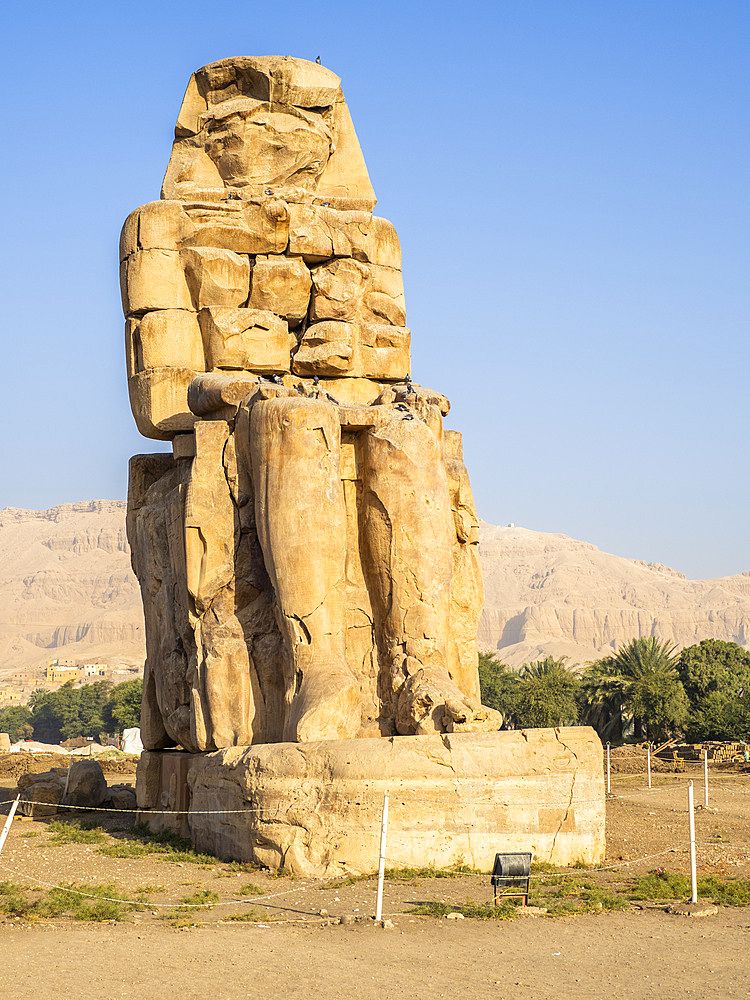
572	790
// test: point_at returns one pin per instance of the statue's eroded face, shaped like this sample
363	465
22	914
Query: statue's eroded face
269	148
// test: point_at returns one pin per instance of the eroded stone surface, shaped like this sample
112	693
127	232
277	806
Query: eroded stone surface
86	783
245	340
308	558
281	285
315	808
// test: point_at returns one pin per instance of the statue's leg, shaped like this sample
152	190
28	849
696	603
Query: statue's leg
226	698
408	540
301	520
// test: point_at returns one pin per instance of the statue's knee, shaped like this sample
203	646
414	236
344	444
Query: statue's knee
304	414
312	424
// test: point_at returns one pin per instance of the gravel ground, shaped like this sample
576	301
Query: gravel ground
293	942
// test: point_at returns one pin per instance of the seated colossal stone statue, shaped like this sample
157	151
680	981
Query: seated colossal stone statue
307	554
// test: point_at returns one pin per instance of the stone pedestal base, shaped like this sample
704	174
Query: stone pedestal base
315	808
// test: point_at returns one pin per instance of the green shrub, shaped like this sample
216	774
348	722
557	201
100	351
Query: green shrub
476	911
202	897
664	885
76	832
732	892
250	889
249	916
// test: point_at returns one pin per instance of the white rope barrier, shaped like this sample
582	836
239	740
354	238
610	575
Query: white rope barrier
150	905
723	845
731	791
401	801
642	790
404	801
63	806
250	900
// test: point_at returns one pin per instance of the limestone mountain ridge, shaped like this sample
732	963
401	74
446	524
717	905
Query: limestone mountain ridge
68	592
67	588
548	594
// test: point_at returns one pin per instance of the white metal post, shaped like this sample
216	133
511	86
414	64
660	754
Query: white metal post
8	821
705	778
691	817
381	866
608	785
648	762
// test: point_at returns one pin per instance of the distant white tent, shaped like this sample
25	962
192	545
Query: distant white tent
131	741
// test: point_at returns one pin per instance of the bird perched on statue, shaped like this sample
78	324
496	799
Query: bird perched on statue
317	60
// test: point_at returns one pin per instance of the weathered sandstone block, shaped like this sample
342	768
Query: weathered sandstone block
281	285
333	348
154	279
317	234
245	227
41	793
245	339
159	225
326	349
383	351
217	277
347	289
164	338
158	399
87	785
315	808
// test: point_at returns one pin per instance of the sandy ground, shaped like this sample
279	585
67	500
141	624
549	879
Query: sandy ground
291	950
635	955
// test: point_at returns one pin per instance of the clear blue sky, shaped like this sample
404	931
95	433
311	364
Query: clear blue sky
570	184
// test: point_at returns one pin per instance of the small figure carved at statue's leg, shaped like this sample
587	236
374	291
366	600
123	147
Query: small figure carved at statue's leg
299	503
408	531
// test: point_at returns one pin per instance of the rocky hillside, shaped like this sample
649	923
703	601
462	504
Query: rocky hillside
66	587
67	591
550	594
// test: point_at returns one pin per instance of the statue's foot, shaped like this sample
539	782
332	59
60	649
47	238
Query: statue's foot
326	707
430	702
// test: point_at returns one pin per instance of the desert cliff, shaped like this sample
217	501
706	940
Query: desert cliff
548	594
68	591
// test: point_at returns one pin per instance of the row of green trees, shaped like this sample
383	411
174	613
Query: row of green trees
701	693
53	716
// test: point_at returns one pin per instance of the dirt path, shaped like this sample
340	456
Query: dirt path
288	949
640	955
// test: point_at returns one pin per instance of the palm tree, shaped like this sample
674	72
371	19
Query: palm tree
548	690
602	699
652	688
499	687
641	679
